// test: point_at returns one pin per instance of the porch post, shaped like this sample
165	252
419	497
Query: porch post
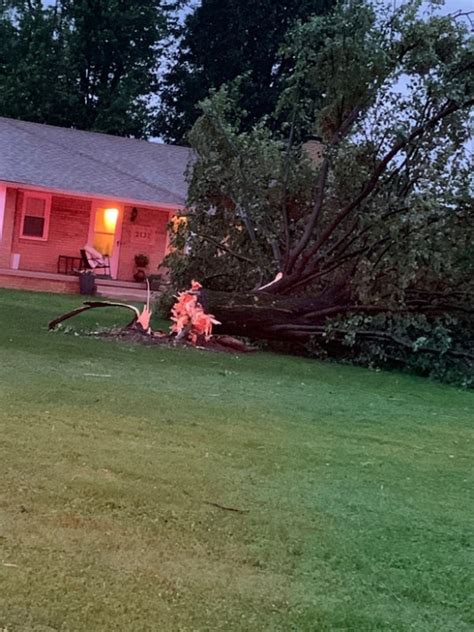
3	203
7	218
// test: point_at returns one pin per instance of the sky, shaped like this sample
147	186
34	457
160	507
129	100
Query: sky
457	5
450	6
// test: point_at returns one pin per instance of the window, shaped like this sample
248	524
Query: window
105	225
35	216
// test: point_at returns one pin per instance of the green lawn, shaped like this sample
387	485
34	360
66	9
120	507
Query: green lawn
355	487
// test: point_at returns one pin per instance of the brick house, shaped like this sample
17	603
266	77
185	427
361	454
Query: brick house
62	188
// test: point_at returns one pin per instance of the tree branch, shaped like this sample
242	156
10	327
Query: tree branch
318	330
225	248
284	209
449	108
338	136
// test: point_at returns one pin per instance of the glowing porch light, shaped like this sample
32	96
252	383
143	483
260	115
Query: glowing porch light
177	221
110	219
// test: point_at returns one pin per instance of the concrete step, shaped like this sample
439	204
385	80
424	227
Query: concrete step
122	294
121	290
124	290
133	285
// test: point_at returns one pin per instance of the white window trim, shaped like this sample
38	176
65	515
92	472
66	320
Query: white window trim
47	197
3	204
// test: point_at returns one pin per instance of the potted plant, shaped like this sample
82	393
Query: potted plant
141	264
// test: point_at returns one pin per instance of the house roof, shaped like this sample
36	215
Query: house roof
93	164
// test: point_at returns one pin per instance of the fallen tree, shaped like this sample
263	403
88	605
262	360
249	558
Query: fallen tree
261	315
368	228
268	316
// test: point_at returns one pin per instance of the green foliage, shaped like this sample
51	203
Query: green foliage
88	64
222	40
164	302
322	50
31	62
440	348
231	237
141	260
384	219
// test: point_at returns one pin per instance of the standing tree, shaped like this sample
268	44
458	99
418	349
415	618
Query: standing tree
224	39
89	64
113	49
371	241
32	65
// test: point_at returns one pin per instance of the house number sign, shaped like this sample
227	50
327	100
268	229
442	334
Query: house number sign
142	235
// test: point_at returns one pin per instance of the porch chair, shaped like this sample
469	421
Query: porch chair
85	265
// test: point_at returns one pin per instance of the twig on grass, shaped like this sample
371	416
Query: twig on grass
219	506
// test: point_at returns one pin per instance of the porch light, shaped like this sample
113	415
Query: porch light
110	219
177	221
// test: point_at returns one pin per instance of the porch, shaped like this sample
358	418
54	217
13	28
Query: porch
40	230
69	284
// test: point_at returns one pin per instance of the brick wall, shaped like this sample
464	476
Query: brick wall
146	235
39	285
68	231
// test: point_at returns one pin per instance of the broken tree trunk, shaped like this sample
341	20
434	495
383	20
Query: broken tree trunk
260	315
263	316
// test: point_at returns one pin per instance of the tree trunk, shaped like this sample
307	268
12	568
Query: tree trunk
260	315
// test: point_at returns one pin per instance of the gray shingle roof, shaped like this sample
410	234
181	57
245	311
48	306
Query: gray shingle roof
92	163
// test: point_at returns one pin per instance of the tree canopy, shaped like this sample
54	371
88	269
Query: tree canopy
222	40
378	231
89	64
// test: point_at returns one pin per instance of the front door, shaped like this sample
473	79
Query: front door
104	233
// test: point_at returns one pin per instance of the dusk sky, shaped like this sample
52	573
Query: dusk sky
450	5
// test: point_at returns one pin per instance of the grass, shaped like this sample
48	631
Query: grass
355	484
